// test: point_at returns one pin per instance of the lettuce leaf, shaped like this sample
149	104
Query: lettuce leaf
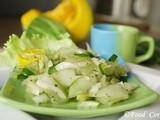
16	45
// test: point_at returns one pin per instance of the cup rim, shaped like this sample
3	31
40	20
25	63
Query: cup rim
119	27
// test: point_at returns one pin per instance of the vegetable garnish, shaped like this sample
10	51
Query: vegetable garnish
25	73
113	58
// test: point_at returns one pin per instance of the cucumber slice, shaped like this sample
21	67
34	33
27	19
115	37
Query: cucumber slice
33	88
114	80
65	65
113	69
48	83
82	97
129	87
111	94
94	89
87	68
42	98
54	97
82	85
104	81
65	77
106	69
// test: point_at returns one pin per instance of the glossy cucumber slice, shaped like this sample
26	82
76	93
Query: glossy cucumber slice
65	77
111	94
82	85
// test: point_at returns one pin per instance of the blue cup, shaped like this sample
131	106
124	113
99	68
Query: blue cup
109	39
103	41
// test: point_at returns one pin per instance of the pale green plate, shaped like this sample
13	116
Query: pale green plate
14	94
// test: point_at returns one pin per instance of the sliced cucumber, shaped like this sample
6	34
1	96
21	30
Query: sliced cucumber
33	88
54	97
88	67
65	65
66	77
82	85
94	89
104	81
82	97
48	83
129	87
111	94
106	69
114	80
42	98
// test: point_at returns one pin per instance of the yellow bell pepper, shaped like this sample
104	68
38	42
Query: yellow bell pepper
29	56
75	15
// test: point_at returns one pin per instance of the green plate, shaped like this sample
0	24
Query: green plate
14	95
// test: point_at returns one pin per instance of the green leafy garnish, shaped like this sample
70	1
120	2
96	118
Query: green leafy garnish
113	58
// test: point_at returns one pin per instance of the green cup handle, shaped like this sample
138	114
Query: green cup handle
150	50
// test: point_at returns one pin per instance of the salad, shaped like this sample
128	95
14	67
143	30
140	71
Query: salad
65	74
72	74
58	72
